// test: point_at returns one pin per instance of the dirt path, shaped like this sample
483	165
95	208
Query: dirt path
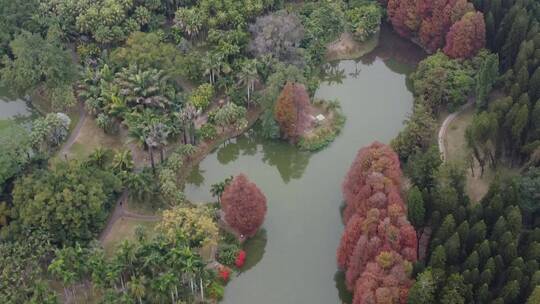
441	139
75	133
120	210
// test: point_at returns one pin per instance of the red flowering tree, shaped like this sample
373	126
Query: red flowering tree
244	206
466	37
292	111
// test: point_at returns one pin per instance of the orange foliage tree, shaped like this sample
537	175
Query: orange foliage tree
376	222
385	280
244	206
431	22
292	111
466	37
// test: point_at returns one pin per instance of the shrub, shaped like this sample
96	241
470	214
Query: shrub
224	274
202	96
240	259
364	20
207	131
227	254
216	291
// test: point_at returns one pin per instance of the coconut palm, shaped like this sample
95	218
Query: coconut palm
186	118
98	157
248	76
212	64
217	189
143	88
157	136
123	161
137	288
140	185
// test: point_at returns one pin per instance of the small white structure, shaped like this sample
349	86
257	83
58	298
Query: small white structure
320	118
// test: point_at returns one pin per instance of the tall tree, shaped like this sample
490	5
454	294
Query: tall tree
466	37
244	206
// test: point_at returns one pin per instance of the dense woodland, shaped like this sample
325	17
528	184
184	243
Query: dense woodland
178	77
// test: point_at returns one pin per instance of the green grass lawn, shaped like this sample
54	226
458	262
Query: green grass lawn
124	229
456	147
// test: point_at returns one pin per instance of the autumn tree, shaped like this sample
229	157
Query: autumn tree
244	206
405	16
376	229
291	111
466	37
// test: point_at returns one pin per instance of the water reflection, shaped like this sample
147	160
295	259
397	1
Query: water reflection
345	296
255	248
285	158
196	177
289	161
399	55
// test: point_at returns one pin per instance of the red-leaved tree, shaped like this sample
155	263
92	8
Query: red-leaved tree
244	206
376	229
406	16
292	111
385	280
466	37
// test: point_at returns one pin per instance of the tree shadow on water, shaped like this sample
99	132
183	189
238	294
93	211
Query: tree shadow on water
288	160
333	73
196	177
255	248
345	296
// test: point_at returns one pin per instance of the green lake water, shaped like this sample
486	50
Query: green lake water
13	110
293	260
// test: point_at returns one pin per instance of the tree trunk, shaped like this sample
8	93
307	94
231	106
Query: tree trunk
161	154
151	150
202	289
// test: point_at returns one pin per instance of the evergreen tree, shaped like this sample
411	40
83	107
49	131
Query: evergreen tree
415	207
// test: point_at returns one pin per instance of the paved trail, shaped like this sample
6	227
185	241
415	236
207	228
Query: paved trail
120	210
444	128
75	133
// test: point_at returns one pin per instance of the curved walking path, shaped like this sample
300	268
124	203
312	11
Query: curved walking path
75	133
120	210
444	128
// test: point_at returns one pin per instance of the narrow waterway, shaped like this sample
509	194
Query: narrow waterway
293	260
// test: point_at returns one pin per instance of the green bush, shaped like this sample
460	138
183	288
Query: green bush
216	291
226	254
364	21
207	131
202	96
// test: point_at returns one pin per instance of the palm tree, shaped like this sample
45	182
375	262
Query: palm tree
137	287
143	88
212	63
217	189
189	266
186	117
158	133
140	186
248	76
123	161
98	157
